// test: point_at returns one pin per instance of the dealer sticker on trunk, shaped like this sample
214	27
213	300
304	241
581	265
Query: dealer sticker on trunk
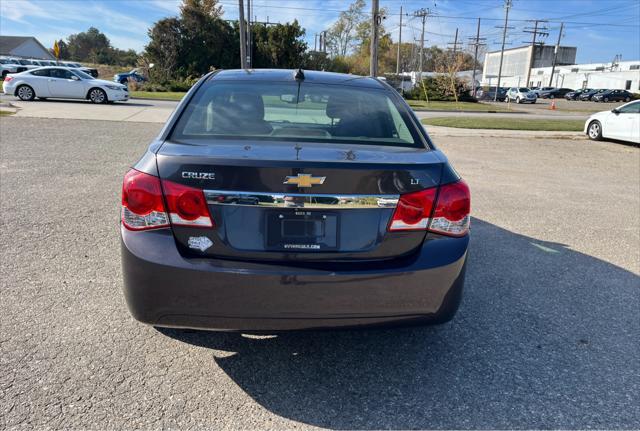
200	242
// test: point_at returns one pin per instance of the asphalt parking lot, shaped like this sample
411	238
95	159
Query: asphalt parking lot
548	334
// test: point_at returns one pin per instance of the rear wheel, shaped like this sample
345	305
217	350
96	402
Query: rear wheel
626	99
97	95
551	96
26	93
595	131
606	99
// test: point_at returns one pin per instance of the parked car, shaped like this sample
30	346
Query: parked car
556	92
193	257
586	96
134	75
28	63
90	70
521	95
620	123
490	94
6	67
573	95
539	90
63	83
613	96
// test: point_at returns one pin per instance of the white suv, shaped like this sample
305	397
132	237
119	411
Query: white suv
520	95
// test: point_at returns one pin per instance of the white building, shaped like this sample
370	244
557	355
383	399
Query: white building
624	75
24	47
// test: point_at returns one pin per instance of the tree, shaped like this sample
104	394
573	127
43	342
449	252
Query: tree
280	45
164	47
91	45
342	34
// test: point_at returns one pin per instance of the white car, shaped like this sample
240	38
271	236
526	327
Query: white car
63	83
621	123
7	66
520	95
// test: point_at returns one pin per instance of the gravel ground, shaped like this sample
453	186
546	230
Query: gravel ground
548	334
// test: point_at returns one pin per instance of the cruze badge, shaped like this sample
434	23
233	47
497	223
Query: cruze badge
304	180
199	175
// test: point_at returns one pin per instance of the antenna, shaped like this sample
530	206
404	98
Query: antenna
298	74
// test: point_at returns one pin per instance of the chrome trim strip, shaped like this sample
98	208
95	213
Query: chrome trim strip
299	200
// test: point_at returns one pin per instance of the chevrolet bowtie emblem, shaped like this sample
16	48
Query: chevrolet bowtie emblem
304	180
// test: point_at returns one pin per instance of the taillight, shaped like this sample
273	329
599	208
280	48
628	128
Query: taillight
415	211
142	204
451	216
8	78
187	205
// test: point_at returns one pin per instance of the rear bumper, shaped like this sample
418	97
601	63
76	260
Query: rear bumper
165	289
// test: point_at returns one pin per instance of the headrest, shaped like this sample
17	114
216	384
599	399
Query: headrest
244	105
339	107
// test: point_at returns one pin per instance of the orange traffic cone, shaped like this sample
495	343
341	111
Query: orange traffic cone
553	105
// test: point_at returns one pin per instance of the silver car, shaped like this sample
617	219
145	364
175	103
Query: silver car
521	95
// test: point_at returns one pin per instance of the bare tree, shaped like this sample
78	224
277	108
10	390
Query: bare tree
343	33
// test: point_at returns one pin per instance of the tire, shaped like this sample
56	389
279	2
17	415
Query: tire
606	99
518	100
626	99
26	93
594	131
551	96
97	95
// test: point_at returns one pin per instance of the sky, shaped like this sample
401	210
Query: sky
600	29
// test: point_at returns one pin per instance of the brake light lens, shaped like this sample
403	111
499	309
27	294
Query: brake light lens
8	78
452	213
420	211
187	205
142	204
413	210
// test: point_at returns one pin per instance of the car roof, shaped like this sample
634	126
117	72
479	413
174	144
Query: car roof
287	75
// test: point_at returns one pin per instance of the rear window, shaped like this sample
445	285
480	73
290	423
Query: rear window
524	90
288	111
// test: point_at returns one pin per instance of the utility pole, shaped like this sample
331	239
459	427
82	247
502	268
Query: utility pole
422	13
399	43
476	44
507	6
555	54
249	44
535	32
243	42
375	22
455	44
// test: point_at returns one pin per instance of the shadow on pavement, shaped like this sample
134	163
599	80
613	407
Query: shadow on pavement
82	101
546	338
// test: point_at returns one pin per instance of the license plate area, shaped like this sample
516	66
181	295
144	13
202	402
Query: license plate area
301	231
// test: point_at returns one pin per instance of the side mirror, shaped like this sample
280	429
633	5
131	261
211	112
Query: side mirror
75	78
615	111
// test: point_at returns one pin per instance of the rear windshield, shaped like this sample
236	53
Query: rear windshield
524	90
288	111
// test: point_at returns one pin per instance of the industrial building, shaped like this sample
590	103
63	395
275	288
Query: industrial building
624	75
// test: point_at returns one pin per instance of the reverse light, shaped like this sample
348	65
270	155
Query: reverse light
142	204
449	215
187	205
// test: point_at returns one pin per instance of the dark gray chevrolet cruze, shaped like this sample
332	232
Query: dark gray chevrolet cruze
279	199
